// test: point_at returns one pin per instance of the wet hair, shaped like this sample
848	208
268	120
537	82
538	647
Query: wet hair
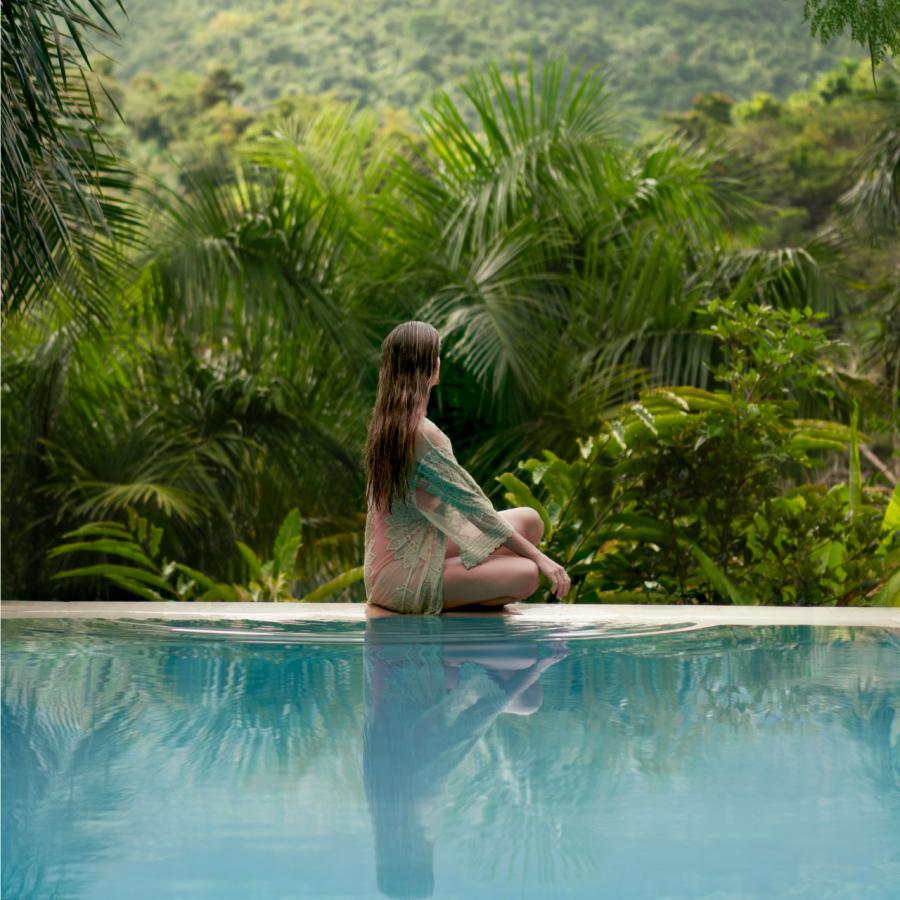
404	856
409	356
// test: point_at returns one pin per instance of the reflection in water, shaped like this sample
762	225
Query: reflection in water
426	704
281	760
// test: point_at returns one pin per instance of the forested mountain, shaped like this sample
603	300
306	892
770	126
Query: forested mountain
658	53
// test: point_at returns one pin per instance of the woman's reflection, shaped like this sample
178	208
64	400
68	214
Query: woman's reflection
430	694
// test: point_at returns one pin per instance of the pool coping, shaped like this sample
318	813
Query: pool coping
534	612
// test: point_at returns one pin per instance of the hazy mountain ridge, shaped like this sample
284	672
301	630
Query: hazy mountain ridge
395	52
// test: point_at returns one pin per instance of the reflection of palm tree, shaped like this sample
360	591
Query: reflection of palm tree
426	705
64	715
870	715
84	703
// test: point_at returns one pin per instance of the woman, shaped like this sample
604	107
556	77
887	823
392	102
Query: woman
433	540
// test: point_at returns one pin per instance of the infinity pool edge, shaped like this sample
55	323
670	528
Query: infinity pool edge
527	612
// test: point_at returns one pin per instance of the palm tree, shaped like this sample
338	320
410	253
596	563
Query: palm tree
872	209
66	212
562	264
873	202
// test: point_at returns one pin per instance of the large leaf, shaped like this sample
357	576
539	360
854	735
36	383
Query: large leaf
111	569
203	580
251	559
222	593
136	588
129	550
873	202
891	520
519	493
855	473
720	581
699	399
333	585
100	529
287	543
889	595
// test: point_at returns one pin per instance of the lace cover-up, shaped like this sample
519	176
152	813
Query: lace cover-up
405	549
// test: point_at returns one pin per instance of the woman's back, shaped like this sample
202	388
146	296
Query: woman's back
405	549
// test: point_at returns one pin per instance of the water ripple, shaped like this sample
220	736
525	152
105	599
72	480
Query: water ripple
458	629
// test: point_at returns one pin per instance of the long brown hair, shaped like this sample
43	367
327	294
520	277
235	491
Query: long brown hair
409	356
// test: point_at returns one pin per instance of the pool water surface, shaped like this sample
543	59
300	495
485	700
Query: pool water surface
465	756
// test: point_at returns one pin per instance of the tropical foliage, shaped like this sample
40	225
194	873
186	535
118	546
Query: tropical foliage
152	577
826	168
694	494
65	202
569	268
875	26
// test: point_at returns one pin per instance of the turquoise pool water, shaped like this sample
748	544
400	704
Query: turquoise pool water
464	756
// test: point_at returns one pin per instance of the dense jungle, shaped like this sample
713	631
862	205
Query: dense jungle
659	240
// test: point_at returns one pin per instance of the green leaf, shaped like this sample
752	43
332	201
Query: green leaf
664	394
802	442
105	545
891	520
822	428
156	534
109	570
720	581
338	583
199	577
559	479
287	543
645	416
251	558
645	534
518	493
830	553
100	529
139	589
889	595
697	398
855	473
221	592
638	526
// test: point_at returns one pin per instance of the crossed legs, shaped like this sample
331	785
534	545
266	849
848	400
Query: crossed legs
503	577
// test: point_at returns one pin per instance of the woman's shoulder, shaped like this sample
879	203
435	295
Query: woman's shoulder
429	435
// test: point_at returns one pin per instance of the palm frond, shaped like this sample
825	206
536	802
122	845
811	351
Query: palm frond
67	215
532	143
873	202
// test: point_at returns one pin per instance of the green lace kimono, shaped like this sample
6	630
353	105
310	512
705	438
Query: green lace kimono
405	549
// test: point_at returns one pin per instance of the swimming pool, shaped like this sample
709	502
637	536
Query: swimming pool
454	756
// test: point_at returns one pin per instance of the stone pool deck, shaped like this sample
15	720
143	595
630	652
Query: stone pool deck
561	613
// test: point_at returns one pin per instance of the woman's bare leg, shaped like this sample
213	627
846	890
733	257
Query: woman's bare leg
503	577
490	603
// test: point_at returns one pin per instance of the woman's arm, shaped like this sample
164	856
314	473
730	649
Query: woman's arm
521	545
557	577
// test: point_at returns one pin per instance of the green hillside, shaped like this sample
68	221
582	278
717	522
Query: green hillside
395	52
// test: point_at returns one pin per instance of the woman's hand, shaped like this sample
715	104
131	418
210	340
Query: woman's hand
559	579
